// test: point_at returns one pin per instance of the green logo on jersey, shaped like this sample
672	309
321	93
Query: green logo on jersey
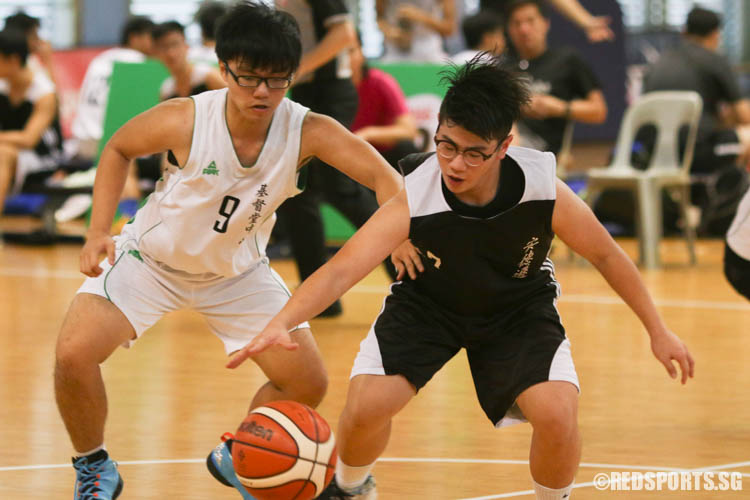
136	254
211	169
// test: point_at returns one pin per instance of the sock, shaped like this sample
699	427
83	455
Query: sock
349	477
544	493
90	453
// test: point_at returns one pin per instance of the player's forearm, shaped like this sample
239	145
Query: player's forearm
588	111
388	134
340	36
624	278
110	180
574	11
19	138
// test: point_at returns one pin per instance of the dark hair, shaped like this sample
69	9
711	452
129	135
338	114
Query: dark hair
167	27
485	96
259	36
514	5
136	25
702	22
13	42
207	15
476	26
22	22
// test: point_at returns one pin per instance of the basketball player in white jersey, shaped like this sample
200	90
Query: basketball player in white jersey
483	215
737	249
199	240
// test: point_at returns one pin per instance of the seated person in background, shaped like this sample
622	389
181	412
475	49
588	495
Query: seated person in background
696	65
88	124
414	30
30	138
596	27
383	118
483	32
562	85
186	78
207	16
40	51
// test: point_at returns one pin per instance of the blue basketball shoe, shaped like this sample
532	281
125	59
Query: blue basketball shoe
96	477
219	463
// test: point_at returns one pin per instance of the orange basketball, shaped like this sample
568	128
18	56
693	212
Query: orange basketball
283	451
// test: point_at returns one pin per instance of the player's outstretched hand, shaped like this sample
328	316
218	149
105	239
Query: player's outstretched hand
668	347
406	260
599	31
96	245
270	336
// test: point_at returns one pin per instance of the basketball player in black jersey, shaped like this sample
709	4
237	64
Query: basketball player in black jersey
482	215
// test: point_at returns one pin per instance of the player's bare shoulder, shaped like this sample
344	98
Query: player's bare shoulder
318	133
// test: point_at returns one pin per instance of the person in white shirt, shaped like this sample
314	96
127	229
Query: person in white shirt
40	50
88	124
199	241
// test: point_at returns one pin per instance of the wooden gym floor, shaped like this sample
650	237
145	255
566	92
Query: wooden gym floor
170	397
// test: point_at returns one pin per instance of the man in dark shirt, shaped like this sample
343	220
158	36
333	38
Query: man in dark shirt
696	65
563	86
323	83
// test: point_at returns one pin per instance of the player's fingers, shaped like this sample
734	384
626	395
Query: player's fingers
410	269
684	366
417	260
691	363
289	345
670	367
238	358
111	252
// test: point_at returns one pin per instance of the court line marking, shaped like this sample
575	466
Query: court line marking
383	290
588	465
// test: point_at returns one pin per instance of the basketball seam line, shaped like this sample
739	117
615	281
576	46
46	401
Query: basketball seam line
280	453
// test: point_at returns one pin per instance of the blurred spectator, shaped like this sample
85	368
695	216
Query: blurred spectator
596	27
414	29
323	83
383	118
186	78
207	15
483	32
696	65
30	137
563	86
88	124
40	51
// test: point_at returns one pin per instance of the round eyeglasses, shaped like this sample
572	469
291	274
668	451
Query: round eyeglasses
472	157
252	82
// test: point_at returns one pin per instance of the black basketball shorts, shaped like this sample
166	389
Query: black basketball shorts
737	271
507	352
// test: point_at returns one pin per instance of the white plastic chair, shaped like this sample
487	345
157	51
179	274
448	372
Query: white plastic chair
668	112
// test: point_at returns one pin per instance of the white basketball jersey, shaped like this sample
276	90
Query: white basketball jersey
214	216
738	235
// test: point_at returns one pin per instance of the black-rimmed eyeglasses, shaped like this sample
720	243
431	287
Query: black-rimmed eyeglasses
472	157
275	82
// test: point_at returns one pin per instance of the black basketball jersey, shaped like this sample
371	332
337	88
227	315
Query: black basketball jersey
483	260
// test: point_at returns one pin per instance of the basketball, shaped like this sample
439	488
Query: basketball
283	451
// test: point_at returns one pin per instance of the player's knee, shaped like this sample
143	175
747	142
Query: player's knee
311	389
360	414
8	153
557	424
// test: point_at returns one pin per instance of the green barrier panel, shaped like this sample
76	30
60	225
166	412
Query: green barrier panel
134	88
414	79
